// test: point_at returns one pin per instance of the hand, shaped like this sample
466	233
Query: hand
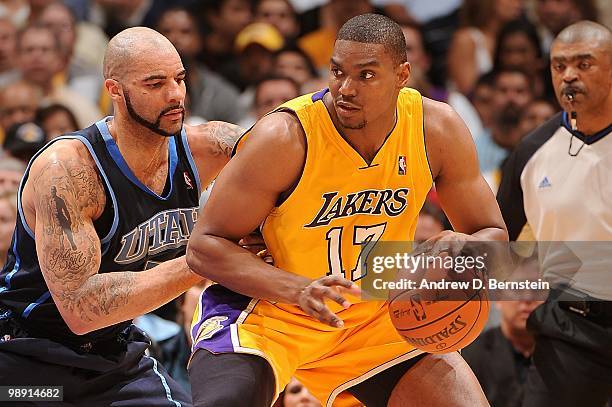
445	241
312	298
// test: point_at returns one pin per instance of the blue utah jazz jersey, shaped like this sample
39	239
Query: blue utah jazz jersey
138	230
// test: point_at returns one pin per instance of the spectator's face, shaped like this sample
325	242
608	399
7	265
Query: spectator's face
414	49
57	124
272	94
555	15
178	26
58	19
154	90
233	16
19	104
584	68
8	44
39	59
296	395
364	82
536	114
483	103
256	62
279	14
294	66
517	51
514	314
511	96
427	227
8	216
507	10
9	181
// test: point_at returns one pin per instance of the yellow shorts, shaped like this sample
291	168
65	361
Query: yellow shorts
326	360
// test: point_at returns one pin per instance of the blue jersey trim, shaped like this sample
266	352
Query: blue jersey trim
40	300
586	139
319	95
164	382
113	150
7	278
192	164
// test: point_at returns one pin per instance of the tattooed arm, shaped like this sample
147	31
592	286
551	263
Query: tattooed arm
65	194
211	145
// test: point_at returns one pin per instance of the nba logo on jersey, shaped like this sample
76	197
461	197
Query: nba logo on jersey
401	165
187	180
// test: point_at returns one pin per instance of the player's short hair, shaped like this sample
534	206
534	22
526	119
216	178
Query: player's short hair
376	29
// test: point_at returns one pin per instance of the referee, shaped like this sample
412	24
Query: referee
557	183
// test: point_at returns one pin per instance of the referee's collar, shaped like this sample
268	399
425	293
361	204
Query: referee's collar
586	139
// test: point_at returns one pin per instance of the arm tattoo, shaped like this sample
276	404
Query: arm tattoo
68	194
224	137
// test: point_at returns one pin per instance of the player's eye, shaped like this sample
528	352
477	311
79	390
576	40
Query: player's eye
336	72
294	389
558	67
584	65
367	75
155	85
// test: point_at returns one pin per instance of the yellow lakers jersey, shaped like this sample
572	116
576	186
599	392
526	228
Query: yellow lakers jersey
341	201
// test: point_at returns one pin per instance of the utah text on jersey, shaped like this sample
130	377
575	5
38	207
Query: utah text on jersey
167	229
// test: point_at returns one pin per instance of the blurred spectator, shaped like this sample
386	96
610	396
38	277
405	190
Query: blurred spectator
256	46
512	93
273	92
280	14
23	140
555	15
210	96
78	72
17	11
500	356
518	46
431	222
270	93
420	64
535	114
116	15
11	171
292	62
296	395
8	217
56	120
8	44
319	43
482	99
40	60
471	51
18	103
224	19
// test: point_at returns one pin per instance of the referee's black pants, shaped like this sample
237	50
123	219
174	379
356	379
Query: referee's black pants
572	361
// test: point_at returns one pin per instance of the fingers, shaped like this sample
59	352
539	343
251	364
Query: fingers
318	310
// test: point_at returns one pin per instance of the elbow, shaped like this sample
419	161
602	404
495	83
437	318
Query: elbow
199	255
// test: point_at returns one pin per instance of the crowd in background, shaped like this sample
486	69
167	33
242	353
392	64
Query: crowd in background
487	58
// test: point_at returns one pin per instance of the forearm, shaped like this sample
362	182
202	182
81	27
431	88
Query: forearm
109	298
234	267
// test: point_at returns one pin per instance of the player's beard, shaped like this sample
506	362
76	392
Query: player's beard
154	127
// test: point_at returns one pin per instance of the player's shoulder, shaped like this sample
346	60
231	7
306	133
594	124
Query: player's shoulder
278	130
62	154
440	118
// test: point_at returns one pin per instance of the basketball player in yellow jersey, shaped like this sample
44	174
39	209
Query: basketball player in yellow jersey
322	174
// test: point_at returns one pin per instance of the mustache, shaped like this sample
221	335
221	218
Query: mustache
572	90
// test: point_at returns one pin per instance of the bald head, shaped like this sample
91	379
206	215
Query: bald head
130	44
586	31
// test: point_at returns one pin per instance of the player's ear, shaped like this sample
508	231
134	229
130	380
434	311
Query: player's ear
403	74
113	88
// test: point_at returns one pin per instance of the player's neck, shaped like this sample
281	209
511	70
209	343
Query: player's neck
143	150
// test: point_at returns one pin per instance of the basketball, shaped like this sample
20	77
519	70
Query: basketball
443	317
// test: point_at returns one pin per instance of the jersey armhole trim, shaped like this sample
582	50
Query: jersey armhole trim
194	168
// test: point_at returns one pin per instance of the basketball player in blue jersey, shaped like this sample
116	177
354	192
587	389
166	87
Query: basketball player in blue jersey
322	174
105	214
